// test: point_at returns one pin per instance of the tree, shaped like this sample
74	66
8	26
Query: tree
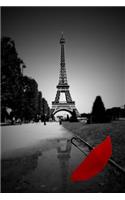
115	113
45	110
18	93
39	111
73	118
98	111
10	76
29	98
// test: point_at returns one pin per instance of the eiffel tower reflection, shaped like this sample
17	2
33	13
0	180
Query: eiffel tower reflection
63	154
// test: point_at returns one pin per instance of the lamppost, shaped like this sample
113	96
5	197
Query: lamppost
44	119
23	67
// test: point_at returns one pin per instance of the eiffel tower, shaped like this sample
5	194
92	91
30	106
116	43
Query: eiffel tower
63	87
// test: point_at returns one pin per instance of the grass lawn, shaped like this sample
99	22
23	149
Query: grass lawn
110	179
95	133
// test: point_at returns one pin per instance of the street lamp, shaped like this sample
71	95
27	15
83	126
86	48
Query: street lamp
23	67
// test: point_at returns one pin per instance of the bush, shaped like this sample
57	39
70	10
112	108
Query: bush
98	114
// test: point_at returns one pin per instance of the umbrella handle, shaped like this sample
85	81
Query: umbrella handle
78	146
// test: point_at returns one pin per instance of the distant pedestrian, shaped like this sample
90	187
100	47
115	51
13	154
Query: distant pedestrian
44	122
60	122
13	121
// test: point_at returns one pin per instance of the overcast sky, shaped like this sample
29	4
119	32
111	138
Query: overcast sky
94	50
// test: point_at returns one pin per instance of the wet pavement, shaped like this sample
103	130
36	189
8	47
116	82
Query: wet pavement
48	168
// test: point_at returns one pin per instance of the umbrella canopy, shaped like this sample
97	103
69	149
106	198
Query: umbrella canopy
94	163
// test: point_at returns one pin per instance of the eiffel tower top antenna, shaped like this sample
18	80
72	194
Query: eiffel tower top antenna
62	39
63	75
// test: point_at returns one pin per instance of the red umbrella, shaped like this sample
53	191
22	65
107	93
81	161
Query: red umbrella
94	163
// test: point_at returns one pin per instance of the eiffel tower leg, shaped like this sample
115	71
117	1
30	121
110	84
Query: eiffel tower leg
68	96
57	96
77	113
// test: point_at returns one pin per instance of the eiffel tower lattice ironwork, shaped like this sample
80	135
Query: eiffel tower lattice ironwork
63	87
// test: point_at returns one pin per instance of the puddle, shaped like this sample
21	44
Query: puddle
46	171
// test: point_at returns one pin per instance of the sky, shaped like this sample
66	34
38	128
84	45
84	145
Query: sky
94	50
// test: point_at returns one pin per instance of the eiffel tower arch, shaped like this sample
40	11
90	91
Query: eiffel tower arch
63	87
